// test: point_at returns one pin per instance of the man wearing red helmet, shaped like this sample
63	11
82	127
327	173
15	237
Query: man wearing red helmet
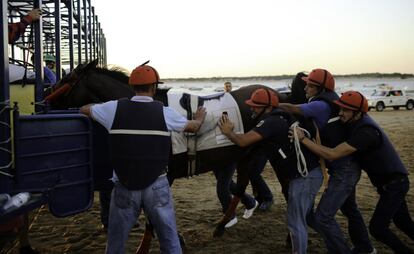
377	156
140	142
344	173
270	137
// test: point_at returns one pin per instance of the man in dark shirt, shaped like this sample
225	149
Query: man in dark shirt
270	137
344	173
377	156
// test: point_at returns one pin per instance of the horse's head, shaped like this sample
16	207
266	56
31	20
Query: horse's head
88	83
77	74
298	95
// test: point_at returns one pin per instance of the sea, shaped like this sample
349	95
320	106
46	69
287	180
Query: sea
363	85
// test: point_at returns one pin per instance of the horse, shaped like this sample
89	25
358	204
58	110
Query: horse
91	84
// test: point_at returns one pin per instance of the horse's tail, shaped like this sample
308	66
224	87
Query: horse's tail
61	90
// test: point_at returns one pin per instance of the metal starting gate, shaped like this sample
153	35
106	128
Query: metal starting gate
49	155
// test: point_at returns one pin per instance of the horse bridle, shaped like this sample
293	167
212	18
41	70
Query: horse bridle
66	88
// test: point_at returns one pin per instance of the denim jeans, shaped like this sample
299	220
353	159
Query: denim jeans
357	229
157	203
392	206
340	194
261	190
302	193
226	187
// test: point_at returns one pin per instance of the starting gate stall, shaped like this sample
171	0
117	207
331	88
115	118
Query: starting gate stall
48	154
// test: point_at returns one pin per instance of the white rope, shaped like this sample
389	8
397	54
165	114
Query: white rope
301	161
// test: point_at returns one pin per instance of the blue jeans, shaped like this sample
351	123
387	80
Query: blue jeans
225	187
157	203
341	195
392	206
302	193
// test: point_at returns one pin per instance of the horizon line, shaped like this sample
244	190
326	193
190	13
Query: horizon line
286	76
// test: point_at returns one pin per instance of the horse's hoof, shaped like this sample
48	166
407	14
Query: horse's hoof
219	231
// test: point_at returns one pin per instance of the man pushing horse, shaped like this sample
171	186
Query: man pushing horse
140	143
377	156
270	137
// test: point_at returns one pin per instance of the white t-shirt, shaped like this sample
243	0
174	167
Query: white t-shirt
105	113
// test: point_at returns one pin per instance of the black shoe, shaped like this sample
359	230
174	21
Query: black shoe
288	242
266	205
28	250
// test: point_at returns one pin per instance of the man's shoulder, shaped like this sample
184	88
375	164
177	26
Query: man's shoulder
317	107
273	121
317	103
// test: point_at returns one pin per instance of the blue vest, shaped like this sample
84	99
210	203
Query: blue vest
383	160
139	143
287	163
334	132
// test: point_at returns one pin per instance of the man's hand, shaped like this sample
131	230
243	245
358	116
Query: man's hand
299	131
35	14
226	126
198	118
200	114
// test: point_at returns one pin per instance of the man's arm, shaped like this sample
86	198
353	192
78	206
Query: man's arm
327	153
241	140
291	108
17	29
194	125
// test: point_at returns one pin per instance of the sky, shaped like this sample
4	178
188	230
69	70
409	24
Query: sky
227	38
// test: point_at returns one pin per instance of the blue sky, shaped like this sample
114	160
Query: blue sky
192	38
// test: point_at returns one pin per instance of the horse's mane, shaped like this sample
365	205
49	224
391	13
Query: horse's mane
115	73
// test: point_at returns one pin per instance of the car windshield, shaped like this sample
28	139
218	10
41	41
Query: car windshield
379	93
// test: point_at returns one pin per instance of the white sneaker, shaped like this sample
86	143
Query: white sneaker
374	251
249	212
231	223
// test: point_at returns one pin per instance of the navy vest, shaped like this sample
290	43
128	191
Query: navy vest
288	164
334	132
139	142
383	160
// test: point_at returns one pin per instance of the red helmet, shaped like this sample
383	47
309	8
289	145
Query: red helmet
321	77
144	75
263	98
353	100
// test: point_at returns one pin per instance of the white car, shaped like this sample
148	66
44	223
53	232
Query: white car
390	98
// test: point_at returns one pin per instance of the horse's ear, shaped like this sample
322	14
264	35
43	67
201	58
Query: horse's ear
95	62
92	64
88	67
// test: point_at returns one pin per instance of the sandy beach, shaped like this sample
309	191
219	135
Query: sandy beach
198	209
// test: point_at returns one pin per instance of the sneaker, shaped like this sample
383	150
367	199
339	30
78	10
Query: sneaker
265	205
249	212
231	223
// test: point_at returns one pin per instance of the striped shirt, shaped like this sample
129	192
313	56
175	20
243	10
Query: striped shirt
16	30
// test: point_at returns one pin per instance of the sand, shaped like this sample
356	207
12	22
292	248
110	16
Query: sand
198	209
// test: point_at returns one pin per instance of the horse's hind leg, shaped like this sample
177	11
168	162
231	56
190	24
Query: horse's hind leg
242	182
145	244
228	215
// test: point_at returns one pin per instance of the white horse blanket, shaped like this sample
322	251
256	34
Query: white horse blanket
209	136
